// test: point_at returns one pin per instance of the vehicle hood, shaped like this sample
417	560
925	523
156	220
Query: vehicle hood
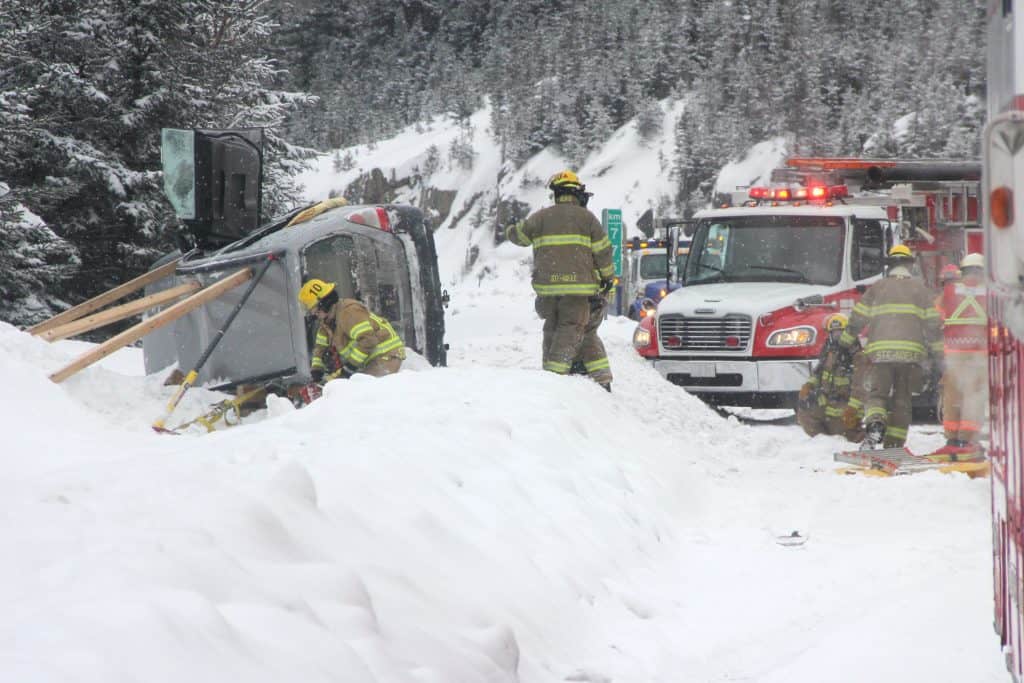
751	298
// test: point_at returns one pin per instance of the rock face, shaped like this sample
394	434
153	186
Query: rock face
376	188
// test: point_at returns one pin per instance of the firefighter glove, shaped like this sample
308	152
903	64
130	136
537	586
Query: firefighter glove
317	374
805	391
606	286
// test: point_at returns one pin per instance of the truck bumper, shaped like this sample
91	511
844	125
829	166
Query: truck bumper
766	383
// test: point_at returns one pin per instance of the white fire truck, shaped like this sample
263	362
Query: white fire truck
1003	147
745	326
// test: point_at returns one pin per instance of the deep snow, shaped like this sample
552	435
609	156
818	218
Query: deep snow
484	522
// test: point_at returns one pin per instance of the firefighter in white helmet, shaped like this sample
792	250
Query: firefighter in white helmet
965	342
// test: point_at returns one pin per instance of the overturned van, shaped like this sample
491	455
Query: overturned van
382	255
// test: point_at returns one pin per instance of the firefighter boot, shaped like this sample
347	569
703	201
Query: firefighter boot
874	432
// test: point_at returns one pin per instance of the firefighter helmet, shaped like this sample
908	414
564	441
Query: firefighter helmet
949	272
565	181
313	291
836	321
900	251
973	261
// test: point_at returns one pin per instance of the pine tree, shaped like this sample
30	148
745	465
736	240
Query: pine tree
90	87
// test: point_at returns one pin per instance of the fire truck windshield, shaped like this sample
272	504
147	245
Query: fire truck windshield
767	249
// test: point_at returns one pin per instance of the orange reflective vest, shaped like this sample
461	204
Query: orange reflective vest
965	324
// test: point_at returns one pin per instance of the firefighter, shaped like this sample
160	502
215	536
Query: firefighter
592	347
572	262
364	342
902	336
833	388
965	382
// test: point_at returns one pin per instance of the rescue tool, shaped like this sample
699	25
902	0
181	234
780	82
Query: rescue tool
889	462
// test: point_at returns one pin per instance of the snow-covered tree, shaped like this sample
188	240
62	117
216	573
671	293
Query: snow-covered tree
86	89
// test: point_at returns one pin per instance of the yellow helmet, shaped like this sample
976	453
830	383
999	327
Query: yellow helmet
900	251
313	291
565	180
836	321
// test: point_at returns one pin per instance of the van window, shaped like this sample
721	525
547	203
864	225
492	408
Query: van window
390	279
332	259
868	253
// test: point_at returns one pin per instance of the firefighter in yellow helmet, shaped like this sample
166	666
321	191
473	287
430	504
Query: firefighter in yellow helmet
903	335
834	389
364	341
572	263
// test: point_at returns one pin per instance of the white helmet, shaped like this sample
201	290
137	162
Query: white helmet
973	261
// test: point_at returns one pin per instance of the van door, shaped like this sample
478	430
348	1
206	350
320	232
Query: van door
394	289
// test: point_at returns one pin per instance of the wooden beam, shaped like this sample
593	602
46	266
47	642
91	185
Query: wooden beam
112	315
98	302
156	322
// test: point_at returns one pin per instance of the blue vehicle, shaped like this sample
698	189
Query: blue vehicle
644	275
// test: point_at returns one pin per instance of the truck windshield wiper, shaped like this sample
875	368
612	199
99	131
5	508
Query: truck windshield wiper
779	269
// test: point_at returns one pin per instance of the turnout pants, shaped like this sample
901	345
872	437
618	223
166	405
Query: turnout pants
964	395
592	352
828	419
383	365
889	387
565	322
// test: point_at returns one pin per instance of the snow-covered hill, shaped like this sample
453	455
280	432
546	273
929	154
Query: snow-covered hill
628	172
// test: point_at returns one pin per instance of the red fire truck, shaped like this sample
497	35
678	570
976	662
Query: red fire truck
761	277
1003	191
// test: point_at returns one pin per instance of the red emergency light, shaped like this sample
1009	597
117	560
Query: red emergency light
810	193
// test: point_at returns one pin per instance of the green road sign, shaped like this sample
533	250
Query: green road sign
612	221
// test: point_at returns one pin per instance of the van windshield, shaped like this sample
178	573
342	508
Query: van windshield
780	248
652	266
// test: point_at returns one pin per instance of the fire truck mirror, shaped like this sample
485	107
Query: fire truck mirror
808	301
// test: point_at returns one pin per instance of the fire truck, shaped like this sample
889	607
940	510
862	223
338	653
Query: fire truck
745	327
1003	149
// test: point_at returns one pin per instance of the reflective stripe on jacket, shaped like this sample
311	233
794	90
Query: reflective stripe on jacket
358	335
571	252
902	321
965	324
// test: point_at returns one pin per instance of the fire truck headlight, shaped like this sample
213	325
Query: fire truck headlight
794	336
641	337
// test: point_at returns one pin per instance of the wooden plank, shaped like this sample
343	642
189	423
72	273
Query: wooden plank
156	322
112	315
98	302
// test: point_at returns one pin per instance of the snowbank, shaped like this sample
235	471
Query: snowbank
485	522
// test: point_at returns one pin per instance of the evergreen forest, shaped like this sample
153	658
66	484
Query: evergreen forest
86	87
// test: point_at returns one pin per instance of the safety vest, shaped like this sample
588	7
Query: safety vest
965	328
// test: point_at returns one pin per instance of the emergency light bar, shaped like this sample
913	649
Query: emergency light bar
799	194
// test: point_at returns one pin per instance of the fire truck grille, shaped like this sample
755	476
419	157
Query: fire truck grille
731	333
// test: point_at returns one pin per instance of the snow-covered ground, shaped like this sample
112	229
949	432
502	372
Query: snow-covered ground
483	522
